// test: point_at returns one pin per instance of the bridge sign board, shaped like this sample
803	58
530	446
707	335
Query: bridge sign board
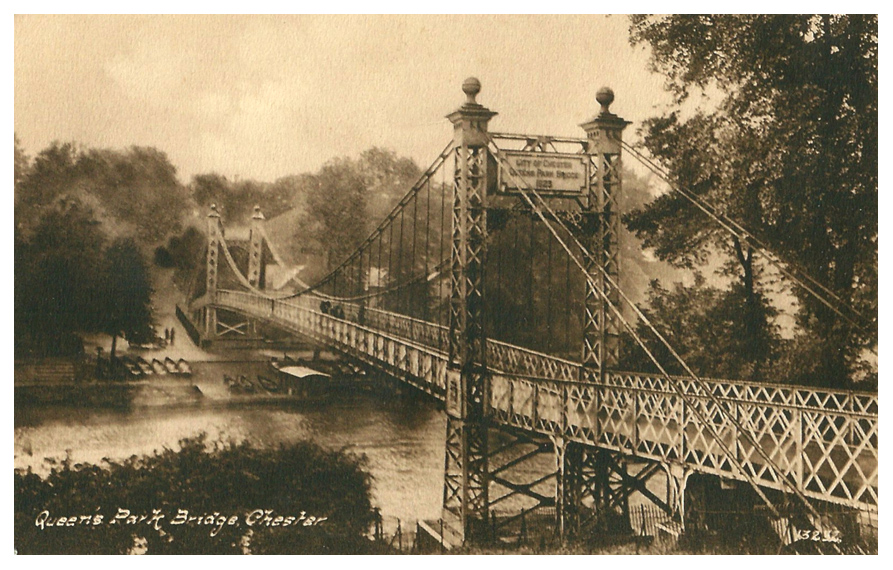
548	173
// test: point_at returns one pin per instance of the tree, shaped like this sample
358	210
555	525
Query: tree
388	178
126	293
237	199
51	173
56	269
790	152
348	198
134	192
22	165
337	208
705	329
69	203
138	189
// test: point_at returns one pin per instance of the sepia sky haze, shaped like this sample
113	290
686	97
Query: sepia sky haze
266	96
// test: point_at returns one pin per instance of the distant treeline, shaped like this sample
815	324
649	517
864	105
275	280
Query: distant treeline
89	224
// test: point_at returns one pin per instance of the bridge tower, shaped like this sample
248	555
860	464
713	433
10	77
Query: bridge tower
585	471
256	250
465	493
212	261
207	324
601	326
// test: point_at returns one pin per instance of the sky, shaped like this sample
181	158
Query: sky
263	97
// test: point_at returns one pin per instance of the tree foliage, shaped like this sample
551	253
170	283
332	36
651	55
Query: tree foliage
702	322
236	199
83	218
388	177
134	192
346	199
138	187
56	287
126	294
790	151
69	281
220	480
22	165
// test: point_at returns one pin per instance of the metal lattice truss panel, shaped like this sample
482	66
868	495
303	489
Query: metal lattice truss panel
466	458
824	442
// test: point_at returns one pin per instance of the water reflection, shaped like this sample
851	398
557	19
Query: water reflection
403	438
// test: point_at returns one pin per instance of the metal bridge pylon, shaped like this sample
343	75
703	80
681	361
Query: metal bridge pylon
471	466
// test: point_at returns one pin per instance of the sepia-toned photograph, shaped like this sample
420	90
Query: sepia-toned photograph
459	284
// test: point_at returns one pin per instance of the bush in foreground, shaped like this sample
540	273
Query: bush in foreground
202	499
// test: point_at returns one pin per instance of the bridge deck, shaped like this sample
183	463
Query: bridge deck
824	442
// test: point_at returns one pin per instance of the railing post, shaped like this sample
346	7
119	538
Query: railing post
466	478
800	448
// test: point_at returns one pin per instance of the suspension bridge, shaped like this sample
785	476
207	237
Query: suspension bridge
494	285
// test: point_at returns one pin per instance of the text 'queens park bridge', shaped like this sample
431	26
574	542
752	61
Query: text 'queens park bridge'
494	285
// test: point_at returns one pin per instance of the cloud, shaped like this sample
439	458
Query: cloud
153	73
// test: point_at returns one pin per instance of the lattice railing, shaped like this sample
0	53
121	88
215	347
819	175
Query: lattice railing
824	442
830	454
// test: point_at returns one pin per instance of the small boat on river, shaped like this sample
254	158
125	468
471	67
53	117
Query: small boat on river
240	385
144	366
303	380
268	384
184	367
130	365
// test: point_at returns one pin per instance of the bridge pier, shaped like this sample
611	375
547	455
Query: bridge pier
677	480
594	487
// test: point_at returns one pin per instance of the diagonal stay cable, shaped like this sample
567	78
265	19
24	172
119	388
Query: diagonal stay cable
744	235
525	192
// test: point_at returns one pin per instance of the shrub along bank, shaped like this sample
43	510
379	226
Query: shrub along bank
202	499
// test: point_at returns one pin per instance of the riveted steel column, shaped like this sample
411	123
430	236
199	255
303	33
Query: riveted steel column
601	327
211	272
465	494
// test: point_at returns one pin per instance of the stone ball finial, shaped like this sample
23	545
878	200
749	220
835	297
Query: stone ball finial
605	96
471	87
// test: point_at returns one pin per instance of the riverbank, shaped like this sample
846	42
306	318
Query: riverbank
205	386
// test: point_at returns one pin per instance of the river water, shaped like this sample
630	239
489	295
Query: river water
401	436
